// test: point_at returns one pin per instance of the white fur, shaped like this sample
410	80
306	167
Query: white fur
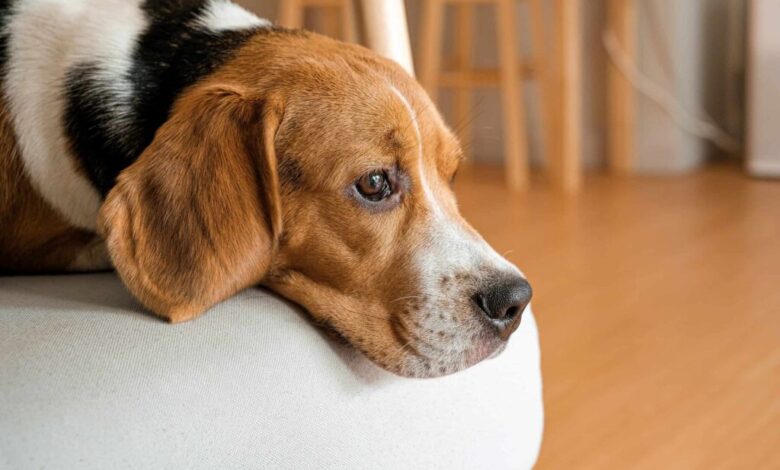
224	15
47	38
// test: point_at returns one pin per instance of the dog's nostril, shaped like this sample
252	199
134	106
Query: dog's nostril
511	312
481	302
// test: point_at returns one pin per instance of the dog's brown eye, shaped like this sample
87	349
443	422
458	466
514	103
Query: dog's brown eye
374	186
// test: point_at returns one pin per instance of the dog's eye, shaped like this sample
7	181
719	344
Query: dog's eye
374	186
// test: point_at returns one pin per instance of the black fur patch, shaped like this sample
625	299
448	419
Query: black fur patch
5	12
171	55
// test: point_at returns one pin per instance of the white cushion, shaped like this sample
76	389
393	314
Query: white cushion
90	381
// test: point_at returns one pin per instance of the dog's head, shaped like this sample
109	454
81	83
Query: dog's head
323	172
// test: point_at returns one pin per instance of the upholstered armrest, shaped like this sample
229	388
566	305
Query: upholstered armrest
87	380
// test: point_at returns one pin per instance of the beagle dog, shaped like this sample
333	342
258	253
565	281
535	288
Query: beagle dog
199	150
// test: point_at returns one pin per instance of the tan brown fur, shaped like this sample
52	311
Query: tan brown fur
33	237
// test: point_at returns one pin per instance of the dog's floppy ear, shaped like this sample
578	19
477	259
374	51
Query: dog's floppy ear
196	218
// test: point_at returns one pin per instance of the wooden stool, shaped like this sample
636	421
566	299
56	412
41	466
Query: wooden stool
463	77
383	24
337	19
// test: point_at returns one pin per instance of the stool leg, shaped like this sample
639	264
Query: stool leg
464	35
386	30
515	132
568	95
430	46
542	77
291	14
348	21
331	21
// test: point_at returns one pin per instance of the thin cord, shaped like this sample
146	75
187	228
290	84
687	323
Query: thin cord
657	37
704	128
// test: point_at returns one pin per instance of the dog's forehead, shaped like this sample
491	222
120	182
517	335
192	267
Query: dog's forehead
360	123
421	129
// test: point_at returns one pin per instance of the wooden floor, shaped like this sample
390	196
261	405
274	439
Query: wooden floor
658	301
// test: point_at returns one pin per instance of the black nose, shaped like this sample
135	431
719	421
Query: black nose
503	302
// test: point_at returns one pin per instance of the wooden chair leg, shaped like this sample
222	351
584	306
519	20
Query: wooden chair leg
430	46
386	30
515	132
331	21
568	95
464	21
348	21
540	53
290	14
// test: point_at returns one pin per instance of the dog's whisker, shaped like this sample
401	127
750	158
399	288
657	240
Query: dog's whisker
389	318
476	111
403	347
468	120
412	122
409	297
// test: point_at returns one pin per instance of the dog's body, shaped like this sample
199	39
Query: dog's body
86	85
199	150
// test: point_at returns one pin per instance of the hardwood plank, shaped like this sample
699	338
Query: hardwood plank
658	301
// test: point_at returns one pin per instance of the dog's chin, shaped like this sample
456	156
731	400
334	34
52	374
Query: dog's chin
423	361
415	365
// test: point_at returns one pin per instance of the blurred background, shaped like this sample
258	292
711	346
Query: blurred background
622	153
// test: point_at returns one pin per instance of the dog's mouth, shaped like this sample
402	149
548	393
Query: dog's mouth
414	353
420	352
447	362
421	334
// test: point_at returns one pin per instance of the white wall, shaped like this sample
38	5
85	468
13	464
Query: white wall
764	89
692	55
